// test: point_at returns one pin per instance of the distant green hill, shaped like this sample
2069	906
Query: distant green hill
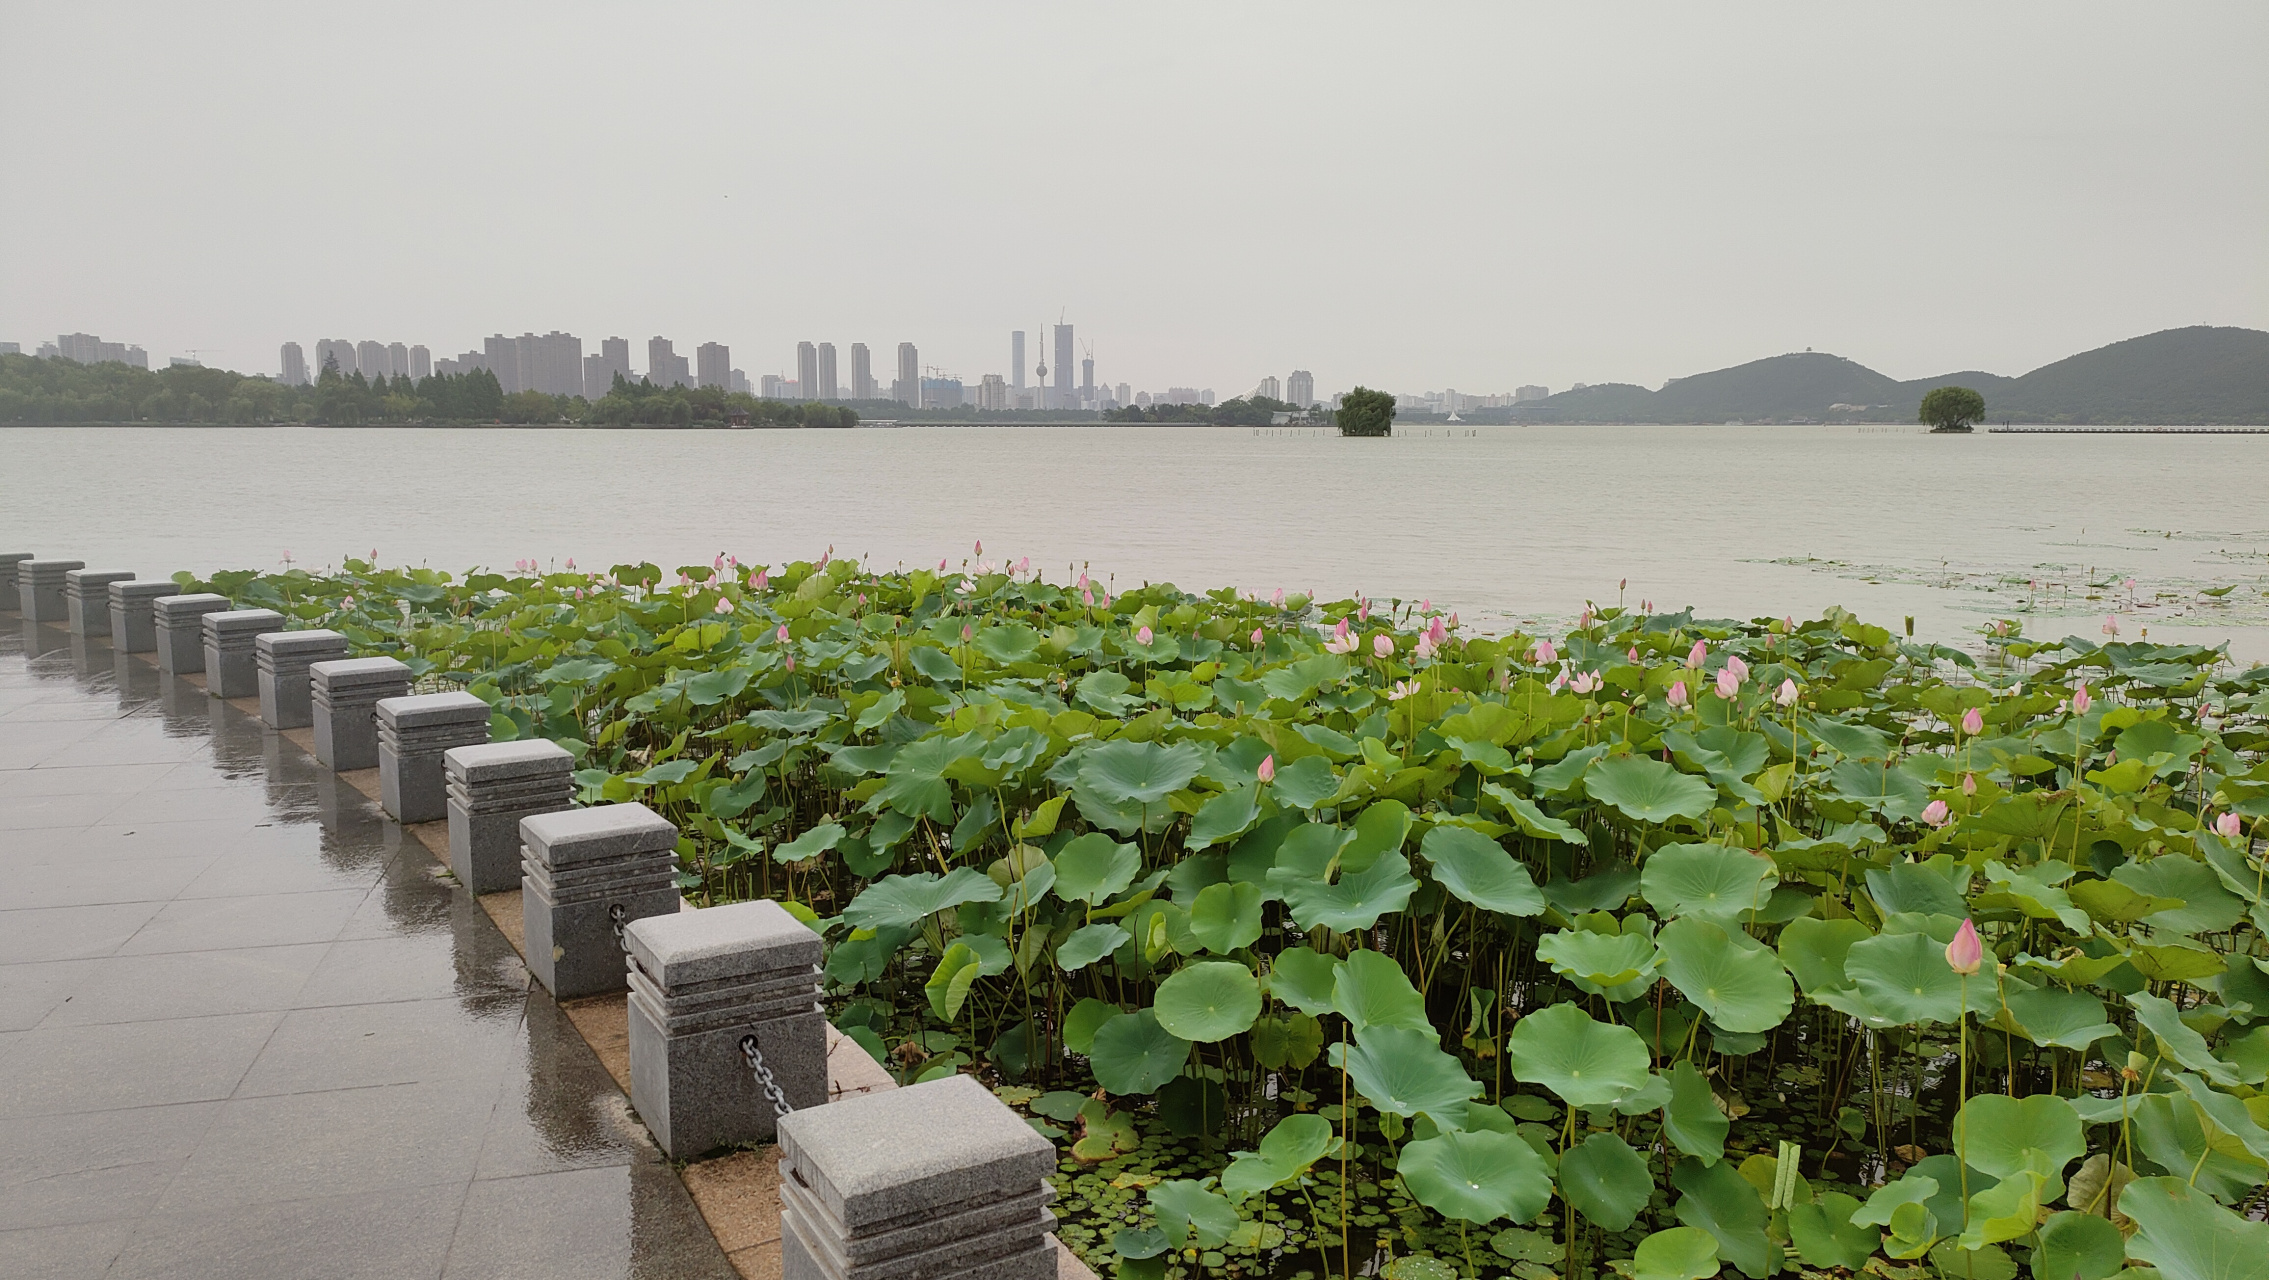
2202	374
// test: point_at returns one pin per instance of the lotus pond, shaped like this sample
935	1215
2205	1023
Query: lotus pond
1327	939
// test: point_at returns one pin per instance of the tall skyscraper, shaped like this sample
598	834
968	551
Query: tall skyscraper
907	389
1125	395
334	353
808	368
397	359
992	392
295	366
664	366
370	360
1064	399
1016	359
1300	388
1270	388
713	365
862	373
501	356
551	363
421	363
829	390
1087	383
599	370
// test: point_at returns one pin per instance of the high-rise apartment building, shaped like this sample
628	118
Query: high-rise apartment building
664	366
397	359
772	387
992	392
828	389
421	363
713	366
1087	383
1522	395
600	368
907	388
501	356
86	348
807	366
370	360
1270	388
1016	359
862	373
1064	397
1300	388
1124	395
551	363
294	365
334	353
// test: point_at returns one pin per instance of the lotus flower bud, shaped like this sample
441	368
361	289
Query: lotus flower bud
1965	953
1973	722
2081	701
2228	826
1969	784
1936	814
1786	694
1382	646
1142	635
1267	771
1678	694
724	604
1256	637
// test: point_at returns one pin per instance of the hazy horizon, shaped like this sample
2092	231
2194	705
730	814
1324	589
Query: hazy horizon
1413	200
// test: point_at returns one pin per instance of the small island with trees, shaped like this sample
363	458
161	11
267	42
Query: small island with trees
1952	410
1364	412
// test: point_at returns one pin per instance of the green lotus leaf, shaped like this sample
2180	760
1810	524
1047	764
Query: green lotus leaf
1692	1119
2003	1135
1007	643
1132	1053
1224	817
1677	1253
1082	1022
1909	887
2187	1236
2229	1117
2030	895
2066	1019
1226	917
810	844
1089	944
1305	783
1188	1212
1720	1201
1647	790
1894	793
1371	990
1403	1070
1529	818
1735	980
2082	1245
1588	1063
1825	1235
1713	881
1286	1152
2180	1042
1094	867
1903	978
2206	907
2173	1132
1476	869
1357	900
1140	773
1606	1181
905	901
1600	962
915	784
1304	979
1379	830
1852	741
1914	1188
1814	951
2008	1210
1208	1001
1954	1262
949	983
1478	1176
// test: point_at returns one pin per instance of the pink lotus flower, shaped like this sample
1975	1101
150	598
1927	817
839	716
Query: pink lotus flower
1342	644
782	634
1969	784
1936	814
1786	694
1543	653
1106	599
1383	646
1586	682
980	547
1678	696
791	662
1438	632
1087	597
966	634
1558	683
1583	620
1425	648
1966	953
1278	598
1142	635
1973	722
1633	655
1256	637
941	564
1267	771
1453	619
2111	624
1341	629
2081	701
1082	579
570	560
1739	668
1729	685
720	562
862	599
1402	689
967	586
1024	565
2228	826
1646	606
724	604
1699	654
760	581
1363	612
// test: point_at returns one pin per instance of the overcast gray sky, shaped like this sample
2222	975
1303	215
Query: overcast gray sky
1409	196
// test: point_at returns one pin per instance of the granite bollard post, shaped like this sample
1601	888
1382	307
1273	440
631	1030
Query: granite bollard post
180	622
8	562
134	616
490	788
700	981
86	599
345	695
935	1181
39	589
232	663
415	734
287	692
585	875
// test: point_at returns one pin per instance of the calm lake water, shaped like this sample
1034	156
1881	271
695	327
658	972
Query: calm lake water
1509	525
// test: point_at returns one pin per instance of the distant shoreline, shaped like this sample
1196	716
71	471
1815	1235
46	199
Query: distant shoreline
1999	428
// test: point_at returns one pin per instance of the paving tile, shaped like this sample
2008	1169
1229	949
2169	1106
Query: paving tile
87	779
342	1141
96	1166
103	842
43	883
261	920
125	742
204	804
358	1046
55	1070
543	1226
27	746
29	812
388	1235
263	864
34	712
427	966
29	992
70	933
191	984
562	1111
82	1251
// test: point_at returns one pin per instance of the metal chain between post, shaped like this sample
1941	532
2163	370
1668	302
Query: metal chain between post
616	914
764	1080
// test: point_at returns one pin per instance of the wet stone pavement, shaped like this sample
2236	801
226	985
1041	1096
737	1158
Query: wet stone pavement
247	1029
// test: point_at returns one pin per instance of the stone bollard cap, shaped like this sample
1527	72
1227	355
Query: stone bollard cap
358	673
601	833
122	592
737	940
283	642
97	581
899	1153
186	606
14	557
242	621
498	761
49	568
414	711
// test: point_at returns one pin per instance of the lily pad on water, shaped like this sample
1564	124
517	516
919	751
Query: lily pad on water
1477	1177
1678	1253
1606	1181
1133	1053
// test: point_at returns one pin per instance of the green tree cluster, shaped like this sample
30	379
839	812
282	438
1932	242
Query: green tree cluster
1952	409
646	405
1245	411
1364	412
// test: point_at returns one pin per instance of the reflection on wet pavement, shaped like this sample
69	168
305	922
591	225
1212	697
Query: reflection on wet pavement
247	1030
